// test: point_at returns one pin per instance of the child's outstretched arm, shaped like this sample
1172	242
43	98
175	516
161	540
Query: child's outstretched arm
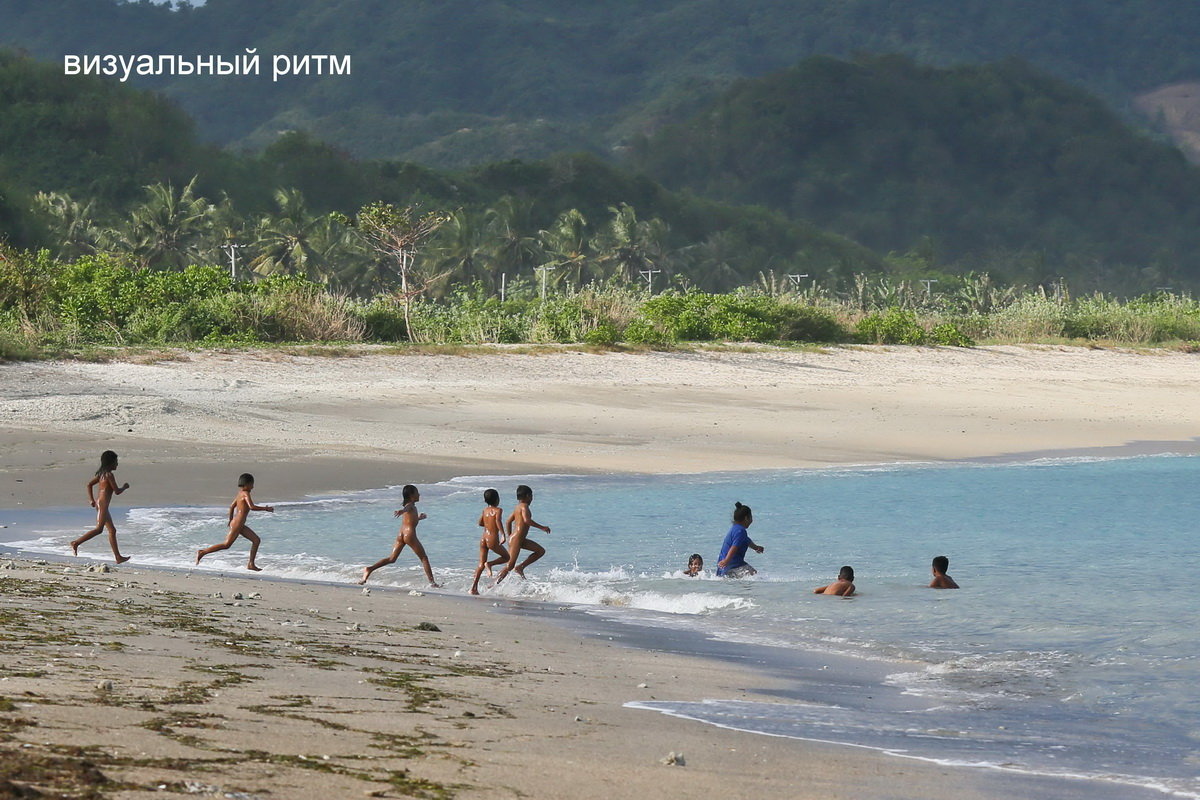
250	503
758	548
112	482
533	524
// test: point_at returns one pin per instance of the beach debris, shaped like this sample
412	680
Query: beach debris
428	626
415	593
468	713
216	594
457	654
254	596
238	596
643	686
354	626
99	568
10	565
350	608
366	591
673	759
125	601
40	562
105	686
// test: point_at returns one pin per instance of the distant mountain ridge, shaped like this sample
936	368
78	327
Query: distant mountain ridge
997	165
454	82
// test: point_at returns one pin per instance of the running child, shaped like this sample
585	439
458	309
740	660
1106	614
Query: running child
107	483
732	563
518	525
492	522
239	509
409	517
940	579
842	587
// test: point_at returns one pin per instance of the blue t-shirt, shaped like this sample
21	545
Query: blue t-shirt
739	538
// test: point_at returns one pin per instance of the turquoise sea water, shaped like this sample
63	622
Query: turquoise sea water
1072	648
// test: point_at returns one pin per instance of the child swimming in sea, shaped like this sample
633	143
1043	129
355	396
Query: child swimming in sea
107	483
518	524
491	520
732	563
239	509
842	587
940	579
409	517
695	565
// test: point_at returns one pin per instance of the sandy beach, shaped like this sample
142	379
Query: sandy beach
132	682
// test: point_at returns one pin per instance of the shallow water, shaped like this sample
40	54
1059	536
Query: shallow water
1071	648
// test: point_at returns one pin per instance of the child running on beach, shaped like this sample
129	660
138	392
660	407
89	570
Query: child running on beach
492	522
239	509
842	587
732	563
407	536
940	579
518	525
107	483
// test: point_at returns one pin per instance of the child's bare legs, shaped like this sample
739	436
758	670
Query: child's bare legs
225	545
537	552
254	543
414	544
103	520
383	562
483	562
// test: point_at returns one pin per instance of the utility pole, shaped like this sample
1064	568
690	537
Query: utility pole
795	278
929	282
503	284
649	274
232	249
544	269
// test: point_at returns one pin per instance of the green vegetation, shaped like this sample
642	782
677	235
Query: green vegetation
996	168
454	83
50	307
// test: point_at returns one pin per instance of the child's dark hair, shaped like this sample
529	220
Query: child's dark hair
741	513
245	479
846	574
408	492
108	462
524	493
491	497
695	557
941	564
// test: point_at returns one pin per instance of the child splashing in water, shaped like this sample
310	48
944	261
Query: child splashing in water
491	520
407	536
107	483
239	509
518	523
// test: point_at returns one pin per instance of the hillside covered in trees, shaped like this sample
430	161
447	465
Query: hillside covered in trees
996	166
88	166
450	83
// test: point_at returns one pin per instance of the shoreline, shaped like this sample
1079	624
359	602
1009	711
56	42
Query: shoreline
547	706
544	705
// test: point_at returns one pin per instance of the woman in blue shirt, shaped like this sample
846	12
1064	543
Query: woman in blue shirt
732	563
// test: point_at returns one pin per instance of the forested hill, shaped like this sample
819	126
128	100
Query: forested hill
995	165
99	146
452	82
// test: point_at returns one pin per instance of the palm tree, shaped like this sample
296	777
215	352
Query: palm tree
71	223
628	247
287	241
515	246
567	248
460	252
164	232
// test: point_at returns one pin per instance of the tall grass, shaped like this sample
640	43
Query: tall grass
48	307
